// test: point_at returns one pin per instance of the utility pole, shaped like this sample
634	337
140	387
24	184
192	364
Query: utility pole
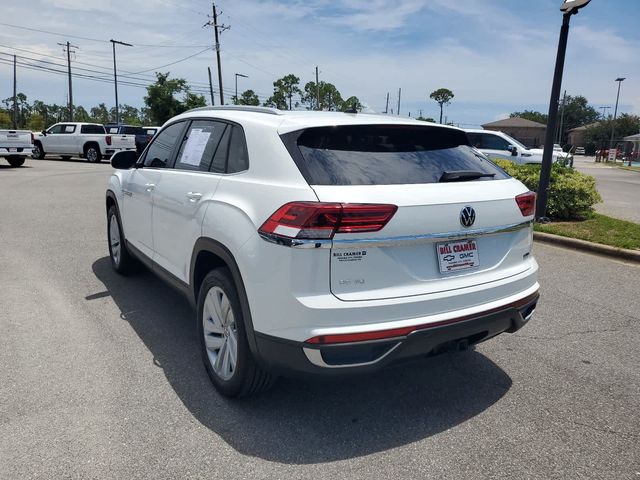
420	113
564	103
604	109
386	109
67	48
15	94
217	29
399	95
213	100
317	89
115	74
615	116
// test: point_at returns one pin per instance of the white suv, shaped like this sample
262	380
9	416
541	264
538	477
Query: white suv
324	243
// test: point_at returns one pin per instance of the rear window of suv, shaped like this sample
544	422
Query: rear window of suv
384	154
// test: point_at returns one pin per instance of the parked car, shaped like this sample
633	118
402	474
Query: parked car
15	146
501	145
144	136
68	139
580	151
123	137
324	242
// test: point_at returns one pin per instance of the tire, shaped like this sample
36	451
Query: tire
92	154
232	377
16	161
121	260
38	152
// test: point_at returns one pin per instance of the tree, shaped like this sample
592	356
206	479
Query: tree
5	119
161	98
578	112
36	122
128	115
248	97
284	88
531	115
193	100
426	119
100	114
330	97
443	97
80	114
350	103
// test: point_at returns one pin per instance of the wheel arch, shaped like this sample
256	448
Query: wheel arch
207	255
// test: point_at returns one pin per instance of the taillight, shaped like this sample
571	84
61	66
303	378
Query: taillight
108	139
527	203
316	220
32	138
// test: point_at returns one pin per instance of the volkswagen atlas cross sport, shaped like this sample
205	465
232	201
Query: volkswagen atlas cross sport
324	242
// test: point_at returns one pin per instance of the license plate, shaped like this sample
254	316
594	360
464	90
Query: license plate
13	149
459	255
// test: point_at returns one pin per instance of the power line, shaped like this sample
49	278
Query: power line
90	39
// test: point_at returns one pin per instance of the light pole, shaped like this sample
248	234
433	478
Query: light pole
568	8
238	75
115	74
615	115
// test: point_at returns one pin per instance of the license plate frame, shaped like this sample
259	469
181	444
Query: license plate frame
458	255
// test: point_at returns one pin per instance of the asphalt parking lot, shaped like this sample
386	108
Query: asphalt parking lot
101	376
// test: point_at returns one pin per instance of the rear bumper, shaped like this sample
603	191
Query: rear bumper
290	357
15	151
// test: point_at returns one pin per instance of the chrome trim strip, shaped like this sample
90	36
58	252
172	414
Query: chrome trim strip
394	241
315	357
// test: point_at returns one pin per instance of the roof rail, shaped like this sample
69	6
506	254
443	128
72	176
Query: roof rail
240	108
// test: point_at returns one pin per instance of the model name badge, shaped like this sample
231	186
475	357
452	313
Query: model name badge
356	256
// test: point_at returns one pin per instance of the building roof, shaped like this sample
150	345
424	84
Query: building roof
633	138
584	127
514	122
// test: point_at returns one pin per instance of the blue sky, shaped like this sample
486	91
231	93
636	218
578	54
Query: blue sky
496	55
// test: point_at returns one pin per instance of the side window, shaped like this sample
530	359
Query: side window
56	129
238	155
92	129
474	139
199	145
160	151
219	164
493	142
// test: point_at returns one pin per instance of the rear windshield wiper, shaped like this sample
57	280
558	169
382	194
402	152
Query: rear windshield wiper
463	175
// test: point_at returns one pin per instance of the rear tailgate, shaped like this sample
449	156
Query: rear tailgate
424	248
123	138
457	222
15	141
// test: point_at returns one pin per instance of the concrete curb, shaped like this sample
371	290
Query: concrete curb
621	253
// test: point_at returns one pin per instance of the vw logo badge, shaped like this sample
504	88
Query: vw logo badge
467	216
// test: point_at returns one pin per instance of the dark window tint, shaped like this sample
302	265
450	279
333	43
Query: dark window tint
159	152
199	146
238	156
92	129
219	164
383	154
56	129
132	131
489	141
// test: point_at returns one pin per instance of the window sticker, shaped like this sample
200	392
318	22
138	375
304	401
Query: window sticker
195	146
69	128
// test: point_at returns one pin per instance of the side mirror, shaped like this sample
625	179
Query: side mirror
124	159
513	149
44	132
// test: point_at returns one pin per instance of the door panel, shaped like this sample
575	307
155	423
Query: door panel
137	208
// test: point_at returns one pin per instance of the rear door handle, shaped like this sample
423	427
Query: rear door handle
149	187
194	196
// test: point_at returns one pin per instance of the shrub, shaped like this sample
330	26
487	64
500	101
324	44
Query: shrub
571	194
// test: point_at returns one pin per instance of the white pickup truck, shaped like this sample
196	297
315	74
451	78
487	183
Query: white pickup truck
15	146
71	139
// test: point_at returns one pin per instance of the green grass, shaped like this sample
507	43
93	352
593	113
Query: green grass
598	229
